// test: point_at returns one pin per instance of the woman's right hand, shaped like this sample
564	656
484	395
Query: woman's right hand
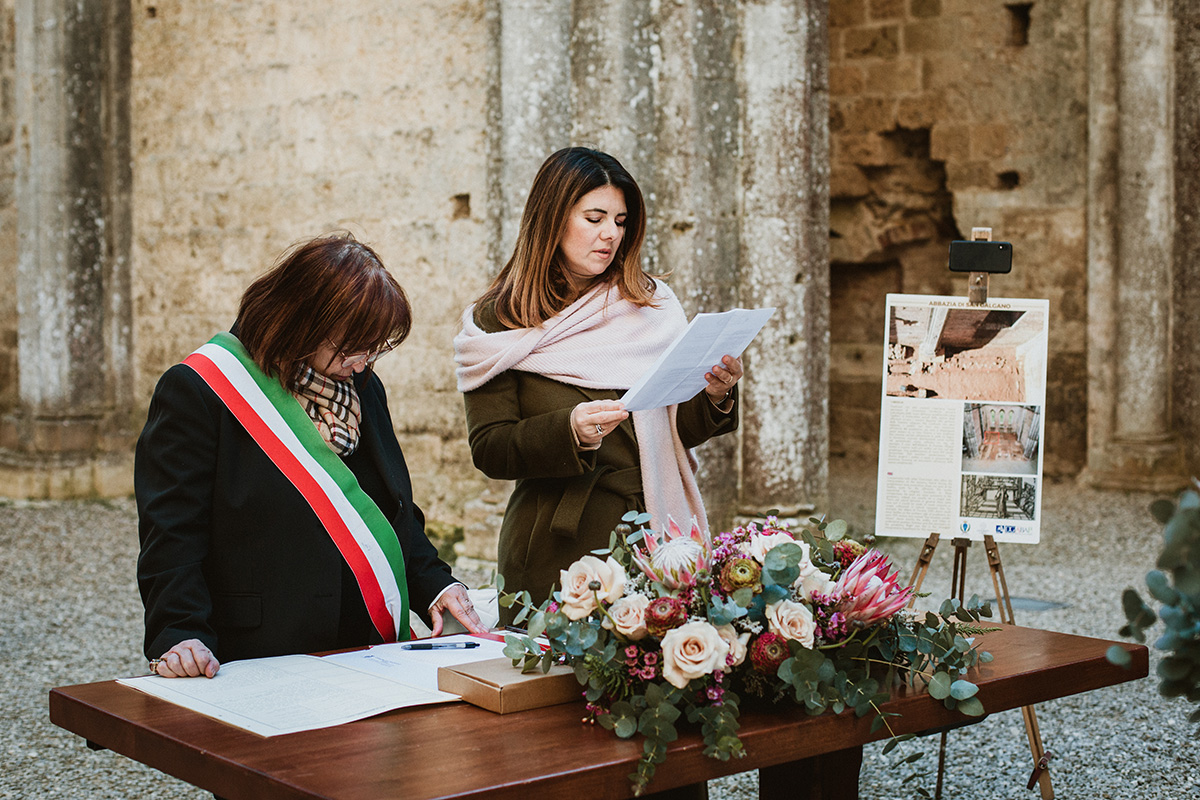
188	659
596	419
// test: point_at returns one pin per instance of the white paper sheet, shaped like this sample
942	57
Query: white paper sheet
417	667
286	694
678	375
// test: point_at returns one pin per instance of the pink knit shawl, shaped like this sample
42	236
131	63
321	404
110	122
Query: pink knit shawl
601	341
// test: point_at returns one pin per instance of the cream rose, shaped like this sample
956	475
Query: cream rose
628	616
577	598
792	621
737	644
761	545
811	579
691	651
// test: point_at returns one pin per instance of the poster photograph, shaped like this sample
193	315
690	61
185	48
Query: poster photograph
962	425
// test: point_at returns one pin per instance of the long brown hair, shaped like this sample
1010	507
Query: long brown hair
532	287
332	288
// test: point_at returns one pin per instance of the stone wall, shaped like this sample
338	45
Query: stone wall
8	207
947	115
259	124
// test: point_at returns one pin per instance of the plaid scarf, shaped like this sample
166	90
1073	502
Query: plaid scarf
333	407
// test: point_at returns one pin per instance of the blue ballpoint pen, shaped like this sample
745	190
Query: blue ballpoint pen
440	646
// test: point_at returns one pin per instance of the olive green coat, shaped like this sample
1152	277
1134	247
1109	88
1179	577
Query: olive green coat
566	501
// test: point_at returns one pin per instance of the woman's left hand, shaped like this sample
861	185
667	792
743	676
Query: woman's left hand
722	377
458	603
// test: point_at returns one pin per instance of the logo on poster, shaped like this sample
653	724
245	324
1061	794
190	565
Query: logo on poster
964	526
1006	529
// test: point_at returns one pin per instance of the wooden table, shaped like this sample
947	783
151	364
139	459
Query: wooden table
461	751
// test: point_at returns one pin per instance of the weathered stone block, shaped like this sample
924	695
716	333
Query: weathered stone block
863	149
989	141
847	13
845	79
877	42
949	142
939	34
881	10
923	9
846	181
920	111
868	114
892	78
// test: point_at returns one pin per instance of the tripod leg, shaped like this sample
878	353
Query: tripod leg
941	770
923	561
1004	601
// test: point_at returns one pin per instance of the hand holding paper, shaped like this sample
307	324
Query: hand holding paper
679	373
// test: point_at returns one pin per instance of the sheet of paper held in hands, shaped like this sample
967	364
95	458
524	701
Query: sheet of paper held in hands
287	694
678	375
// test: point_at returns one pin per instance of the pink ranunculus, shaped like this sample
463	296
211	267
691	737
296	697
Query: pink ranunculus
578	597
792	621
692	651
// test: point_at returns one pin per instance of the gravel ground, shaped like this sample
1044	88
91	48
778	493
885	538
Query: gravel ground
69	613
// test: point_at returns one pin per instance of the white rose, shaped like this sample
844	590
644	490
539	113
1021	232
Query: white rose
813	582
811	578
578	599
628	616
761	545
737	644
792	621
691	651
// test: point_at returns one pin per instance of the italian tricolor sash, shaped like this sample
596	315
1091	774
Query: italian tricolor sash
277	423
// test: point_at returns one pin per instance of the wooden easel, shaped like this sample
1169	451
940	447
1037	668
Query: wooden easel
977	294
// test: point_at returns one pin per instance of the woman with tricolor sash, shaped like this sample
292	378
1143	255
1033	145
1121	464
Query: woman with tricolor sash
275	508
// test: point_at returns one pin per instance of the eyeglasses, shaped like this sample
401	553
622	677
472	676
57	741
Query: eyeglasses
369	358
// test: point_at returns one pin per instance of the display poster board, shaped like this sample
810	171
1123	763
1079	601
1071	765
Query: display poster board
963	418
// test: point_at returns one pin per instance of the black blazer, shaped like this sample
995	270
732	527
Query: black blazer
231	553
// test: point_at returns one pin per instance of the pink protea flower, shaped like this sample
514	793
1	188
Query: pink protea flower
673	558
869	590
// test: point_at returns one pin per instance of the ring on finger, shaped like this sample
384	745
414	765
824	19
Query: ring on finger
600	430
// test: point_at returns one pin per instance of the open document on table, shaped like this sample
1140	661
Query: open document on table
286	694
678	375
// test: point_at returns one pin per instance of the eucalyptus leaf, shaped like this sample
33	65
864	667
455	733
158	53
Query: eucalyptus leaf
836	530
625	727
939	686
1118	655
1160	589
961	690
1162	510
971	707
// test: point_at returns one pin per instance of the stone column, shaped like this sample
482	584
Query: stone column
784	252
694	212
534	87
1131	237
72	191
612	96
1186	322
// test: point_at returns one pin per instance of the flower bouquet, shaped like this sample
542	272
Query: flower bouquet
666	624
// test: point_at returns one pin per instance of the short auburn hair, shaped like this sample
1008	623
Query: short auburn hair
533	286
332	288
